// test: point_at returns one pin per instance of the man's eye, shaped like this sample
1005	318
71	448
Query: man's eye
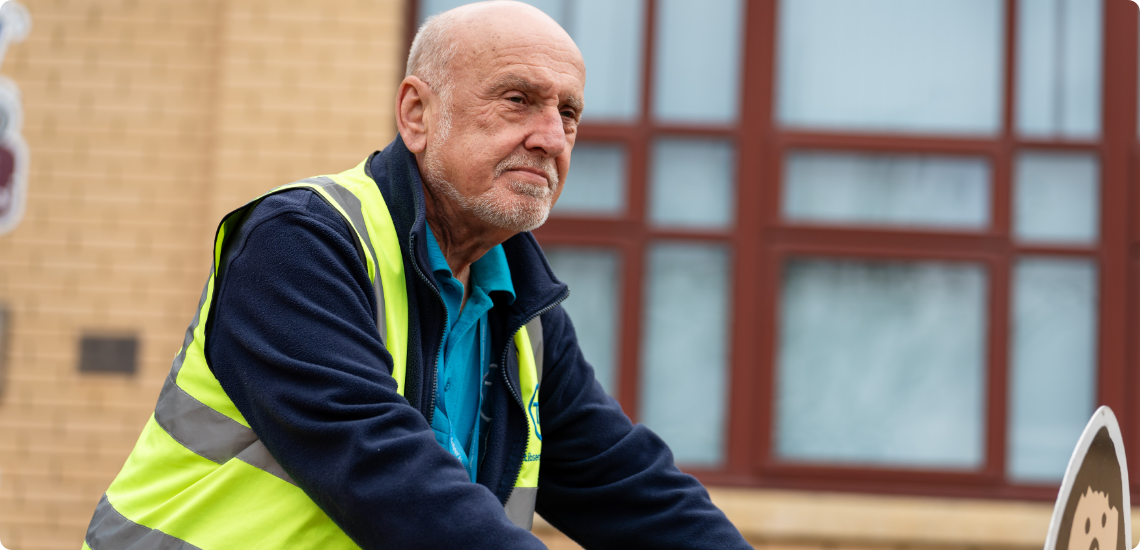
568	114
516	99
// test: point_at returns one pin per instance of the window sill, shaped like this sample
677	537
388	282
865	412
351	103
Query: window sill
826	519
795	520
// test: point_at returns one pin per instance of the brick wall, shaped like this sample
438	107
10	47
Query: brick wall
307	88
117	118
146	121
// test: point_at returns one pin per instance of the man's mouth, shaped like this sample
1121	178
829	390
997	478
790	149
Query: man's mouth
534	171
530	189
541	167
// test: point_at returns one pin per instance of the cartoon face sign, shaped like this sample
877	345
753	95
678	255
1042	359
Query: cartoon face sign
7	181
14	26
1095	522
1093	505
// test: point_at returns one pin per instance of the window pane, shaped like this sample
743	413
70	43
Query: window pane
596	182
882	363
1059	46
432	7
610	37
1057	198
898	65
593	276
685	350
697	60
554	8
902	190
1053	364
692	183
609	34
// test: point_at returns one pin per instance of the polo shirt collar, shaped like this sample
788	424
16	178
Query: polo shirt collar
490	273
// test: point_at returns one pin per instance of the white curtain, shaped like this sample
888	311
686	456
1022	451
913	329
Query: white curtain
882	363
684	354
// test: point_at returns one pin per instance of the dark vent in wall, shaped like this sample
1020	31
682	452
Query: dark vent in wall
108	354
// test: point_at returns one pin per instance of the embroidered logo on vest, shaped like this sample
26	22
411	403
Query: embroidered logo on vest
532	412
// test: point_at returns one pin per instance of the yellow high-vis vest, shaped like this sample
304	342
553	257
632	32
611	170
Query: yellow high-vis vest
199	477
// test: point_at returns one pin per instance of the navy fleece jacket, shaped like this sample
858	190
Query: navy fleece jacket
293	342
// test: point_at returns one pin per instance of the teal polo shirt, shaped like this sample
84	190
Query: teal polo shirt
466	355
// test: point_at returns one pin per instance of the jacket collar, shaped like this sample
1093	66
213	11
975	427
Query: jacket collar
398	176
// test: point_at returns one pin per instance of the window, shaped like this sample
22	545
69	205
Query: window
864	245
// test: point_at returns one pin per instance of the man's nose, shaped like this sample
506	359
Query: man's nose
547	133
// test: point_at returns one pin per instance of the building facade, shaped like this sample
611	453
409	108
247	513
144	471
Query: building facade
867	266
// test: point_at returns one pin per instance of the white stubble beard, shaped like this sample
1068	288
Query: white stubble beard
519	206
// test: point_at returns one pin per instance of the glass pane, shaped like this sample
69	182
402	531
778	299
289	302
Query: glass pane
610	37
554	8
593	305
1053	364
896	65
1059	45
609	34
697	60
902	190
692	183
432	7
1057	198
684	352
596	182
882	363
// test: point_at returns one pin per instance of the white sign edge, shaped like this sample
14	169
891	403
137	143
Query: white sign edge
1102	418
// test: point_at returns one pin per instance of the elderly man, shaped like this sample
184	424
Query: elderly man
380	359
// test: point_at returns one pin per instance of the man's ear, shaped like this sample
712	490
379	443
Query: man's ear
411	106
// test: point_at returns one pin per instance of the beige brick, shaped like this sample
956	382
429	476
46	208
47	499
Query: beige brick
787	545
557	541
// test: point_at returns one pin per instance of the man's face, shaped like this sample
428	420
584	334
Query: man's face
513	108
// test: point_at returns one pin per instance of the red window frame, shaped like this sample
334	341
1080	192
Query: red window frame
760	241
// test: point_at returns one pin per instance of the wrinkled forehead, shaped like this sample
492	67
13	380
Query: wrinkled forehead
539	67
520	43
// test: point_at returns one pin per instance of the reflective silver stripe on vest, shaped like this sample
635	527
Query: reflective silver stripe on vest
257	455
181	358
110	530
210	433
351	205
534	332
520	507
199	428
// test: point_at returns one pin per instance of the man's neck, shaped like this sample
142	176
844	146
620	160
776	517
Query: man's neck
461	240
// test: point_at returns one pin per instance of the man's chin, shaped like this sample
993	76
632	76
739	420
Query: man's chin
524	213
520	221
530	191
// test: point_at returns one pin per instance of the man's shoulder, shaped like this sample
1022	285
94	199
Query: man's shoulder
298	201
291	207
291	215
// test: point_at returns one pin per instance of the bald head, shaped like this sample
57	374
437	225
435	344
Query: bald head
475	30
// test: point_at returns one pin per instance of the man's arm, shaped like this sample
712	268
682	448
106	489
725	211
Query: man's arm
605	482
293	342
